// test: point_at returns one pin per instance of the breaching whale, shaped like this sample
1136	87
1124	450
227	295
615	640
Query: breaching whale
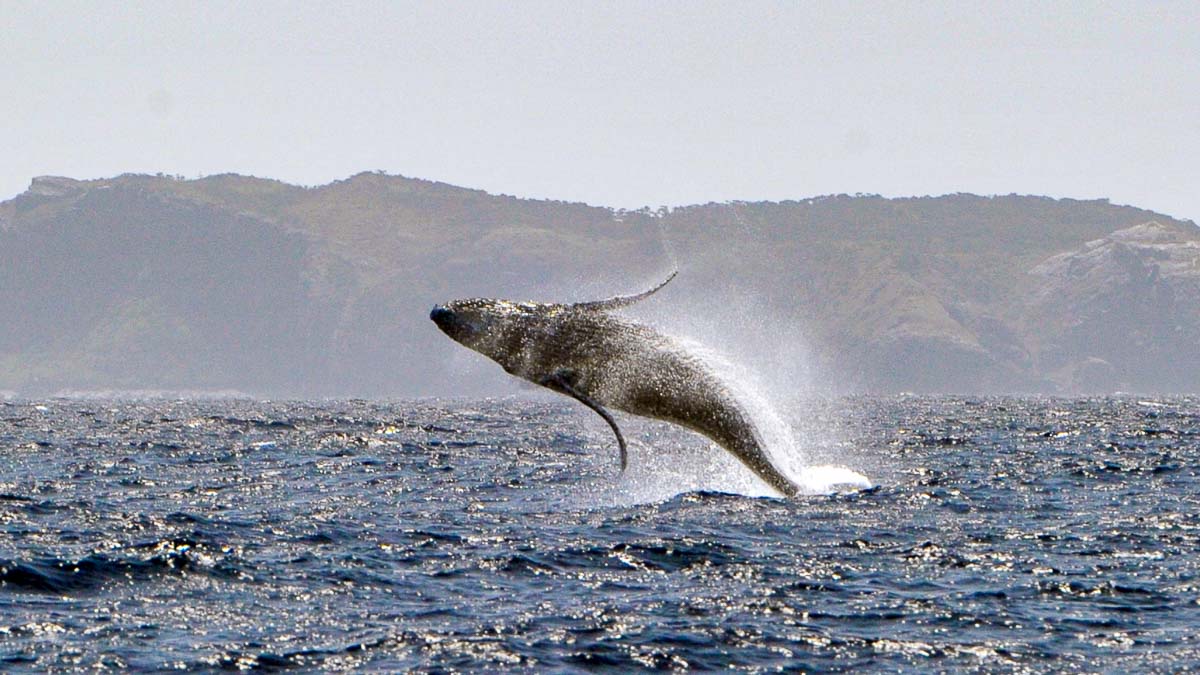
586	352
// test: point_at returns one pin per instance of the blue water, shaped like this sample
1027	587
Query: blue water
1002	535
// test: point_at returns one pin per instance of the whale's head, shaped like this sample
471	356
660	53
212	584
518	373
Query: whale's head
498	329
465	321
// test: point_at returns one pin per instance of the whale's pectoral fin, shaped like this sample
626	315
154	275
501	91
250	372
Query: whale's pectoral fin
562	381
622	300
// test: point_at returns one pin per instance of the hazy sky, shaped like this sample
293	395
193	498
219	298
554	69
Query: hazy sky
619	104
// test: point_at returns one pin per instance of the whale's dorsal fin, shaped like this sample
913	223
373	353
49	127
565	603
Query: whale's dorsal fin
621	300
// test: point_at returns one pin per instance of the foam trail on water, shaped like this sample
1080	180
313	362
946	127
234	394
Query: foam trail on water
826	479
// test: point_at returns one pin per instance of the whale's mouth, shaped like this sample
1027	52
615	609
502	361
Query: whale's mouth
442	316
449	321
453	323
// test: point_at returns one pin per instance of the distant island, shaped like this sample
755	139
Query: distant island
236	283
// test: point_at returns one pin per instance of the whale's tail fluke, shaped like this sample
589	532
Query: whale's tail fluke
621	300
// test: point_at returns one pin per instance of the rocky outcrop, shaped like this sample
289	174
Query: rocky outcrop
1121	312
53	186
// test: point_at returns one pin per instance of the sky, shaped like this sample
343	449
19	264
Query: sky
622	104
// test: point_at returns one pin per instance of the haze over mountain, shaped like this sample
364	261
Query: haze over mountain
239	283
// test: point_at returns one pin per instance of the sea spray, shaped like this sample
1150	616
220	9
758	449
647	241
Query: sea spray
778	437
762	362
667	460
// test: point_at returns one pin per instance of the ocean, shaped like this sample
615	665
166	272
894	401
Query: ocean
996	534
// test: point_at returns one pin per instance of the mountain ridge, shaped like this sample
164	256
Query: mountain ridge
235	282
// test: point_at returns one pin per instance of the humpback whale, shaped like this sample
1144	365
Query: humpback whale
584	351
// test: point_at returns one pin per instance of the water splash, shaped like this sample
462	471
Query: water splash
666	460
779	437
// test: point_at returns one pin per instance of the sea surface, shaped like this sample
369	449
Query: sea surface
998	535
